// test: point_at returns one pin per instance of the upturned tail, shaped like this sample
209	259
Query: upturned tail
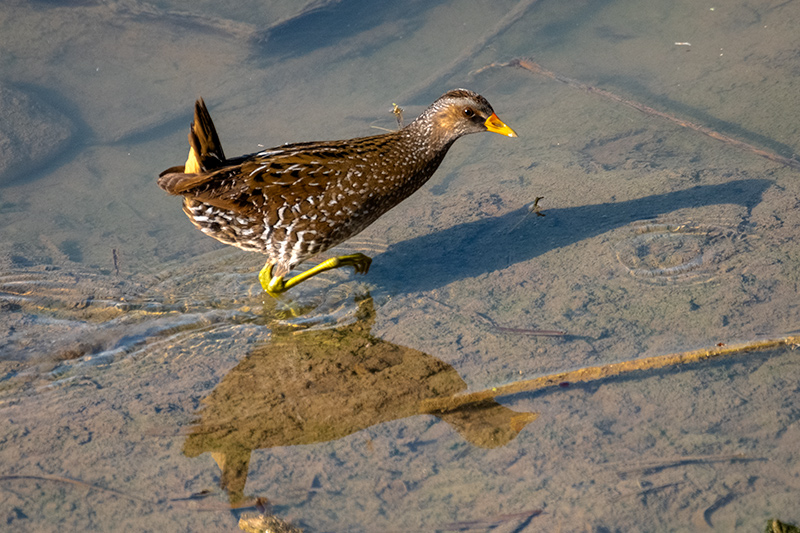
205	152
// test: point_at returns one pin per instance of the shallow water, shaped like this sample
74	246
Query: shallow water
148	384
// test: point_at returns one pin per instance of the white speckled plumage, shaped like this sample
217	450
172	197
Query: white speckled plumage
294	201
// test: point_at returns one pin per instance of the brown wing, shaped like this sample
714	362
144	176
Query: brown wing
269	177
300	176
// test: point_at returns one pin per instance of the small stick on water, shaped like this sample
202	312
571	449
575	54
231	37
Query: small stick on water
595	373
70	481
398	113
532	66
521	331
212	507
533	209
491	523
532	332
116	260
657	465
649	490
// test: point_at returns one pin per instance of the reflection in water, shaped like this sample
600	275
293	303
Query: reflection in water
325	385
59	320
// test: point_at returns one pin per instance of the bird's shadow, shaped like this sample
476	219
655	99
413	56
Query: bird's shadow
474	248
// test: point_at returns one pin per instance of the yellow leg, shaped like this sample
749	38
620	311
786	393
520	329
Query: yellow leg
275	285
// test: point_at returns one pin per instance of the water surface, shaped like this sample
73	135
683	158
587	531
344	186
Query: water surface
148	384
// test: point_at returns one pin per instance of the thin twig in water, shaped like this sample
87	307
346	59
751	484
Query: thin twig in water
521	331
532	66
76	482
649	490
652	467
213	507
533	209
488	523
398	114
714	507
594	373
116	261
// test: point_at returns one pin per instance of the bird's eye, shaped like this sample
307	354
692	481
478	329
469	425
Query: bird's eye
469	113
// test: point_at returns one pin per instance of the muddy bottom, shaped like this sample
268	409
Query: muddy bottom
148	383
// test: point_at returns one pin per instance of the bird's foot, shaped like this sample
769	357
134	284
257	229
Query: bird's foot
276	285
358	261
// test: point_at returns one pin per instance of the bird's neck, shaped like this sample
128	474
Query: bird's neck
429	140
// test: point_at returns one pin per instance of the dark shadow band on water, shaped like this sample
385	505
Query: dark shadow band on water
80	135
330	22
474	248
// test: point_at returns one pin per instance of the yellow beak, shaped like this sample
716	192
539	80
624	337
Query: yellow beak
498	126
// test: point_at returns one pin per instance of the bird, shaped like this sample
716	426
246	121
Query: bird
297	200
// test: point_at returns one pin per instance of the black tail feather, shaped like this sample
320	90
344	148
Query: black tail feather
204	139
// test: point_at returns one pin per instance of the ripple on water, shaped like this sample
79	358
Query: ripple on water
60	323
664	253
